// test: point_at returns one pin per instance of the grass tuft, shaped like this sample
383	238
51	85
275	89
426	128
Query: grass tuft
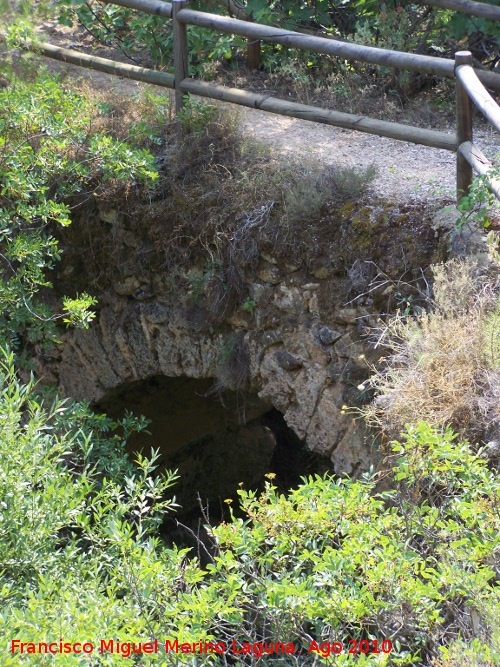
444	365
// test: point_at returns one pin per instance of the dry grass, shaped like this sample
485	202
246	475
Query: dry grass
222	200
225	196
444	365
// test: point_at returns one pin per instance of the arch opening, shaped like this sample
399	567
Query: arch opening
218	443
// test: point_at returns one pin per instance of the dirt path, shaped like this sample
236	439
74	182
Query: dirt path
406	172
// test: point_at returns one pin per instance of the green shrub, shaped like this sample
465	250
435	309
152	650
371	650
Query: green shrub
77	520
50	160
334	561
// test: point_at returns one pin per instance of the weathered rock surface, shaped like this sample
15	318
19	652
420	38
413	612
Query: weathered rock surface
281	328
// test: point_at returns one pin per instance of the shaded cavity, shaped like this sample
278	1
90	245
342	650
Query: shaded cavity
217	443
292	459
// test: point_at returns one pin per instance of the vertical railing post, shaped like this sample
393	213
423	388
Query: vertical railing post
464	127
253	50
181	54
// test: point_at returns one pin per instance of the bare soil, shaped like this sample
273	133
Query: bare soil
406	172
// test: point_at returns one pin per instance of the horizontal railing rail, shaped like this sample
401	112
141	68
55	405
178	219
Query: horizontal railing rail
155	7
369	54
469	82
104	65
332	47
480	9
381	128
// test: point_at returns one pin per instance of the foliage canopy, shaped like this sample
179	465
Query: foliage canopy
51	159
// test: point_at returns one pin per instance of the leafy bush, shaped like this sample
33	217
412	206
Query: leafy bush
80	556
393	24
333	561
50	160
147	37
78	522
